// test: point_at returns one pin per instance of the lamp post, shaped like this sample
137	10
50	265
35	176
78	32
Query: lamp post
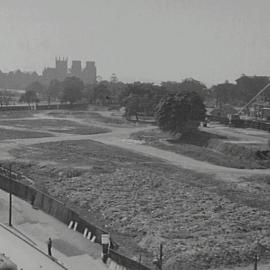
10	196
159	260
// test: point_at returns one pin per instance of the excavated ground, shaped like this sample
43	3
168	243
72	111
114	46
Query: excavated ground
203	219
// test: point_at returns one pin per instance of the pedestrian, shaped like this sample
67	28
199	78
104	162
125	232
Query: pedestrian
33	199
49	247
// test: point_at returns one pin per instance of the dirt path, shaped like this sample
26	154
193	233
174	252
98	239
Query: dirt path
120	137
176	159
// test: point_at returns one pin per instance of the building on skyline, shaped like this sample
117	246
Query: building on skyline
60	71
89	74
61	68
76	68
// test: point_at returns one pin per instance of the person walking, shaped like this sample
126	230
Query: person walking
49	247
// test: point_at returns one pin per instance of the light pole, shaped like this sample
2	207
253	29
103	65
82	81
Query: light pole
10	196
159	260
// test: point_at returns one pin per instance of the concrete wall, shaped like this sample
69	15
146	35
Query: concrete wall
65	214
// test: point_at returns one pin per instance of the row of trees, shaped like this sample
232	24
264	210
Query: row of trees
139	97
17	79
177	111
142	98
70	90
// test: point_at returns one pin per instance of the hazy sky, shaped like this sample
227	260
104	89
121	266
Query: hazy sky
210	40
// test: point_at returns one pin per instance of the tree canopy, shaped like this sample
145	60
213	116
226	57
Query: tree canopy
72	90
36	86
180	113
132	103
54	90
30	96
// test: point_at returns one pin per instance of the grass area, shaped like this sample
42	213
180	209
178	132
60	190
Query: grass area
81	153
9	134
194	146
55	125
39	123
15	114
83	130
89	116
202	222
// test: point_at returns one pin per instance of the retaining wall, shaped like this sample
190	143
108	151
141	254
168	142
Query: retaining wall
65	214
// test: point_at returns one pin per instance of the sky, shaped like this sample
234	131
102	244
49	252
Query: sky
149	40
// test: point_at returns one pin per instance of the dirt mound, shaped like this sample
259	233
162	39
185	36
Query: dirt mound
199	145
242	151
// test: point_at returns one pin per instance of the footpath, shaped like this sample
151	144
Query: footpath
25	243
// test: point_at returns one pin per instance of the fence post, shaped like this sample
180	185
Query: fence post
10	197
255	261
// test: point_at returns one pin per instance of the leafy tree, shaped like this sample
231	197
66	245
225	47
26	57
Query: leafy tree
54	90
36	86
72	90
5	97
88	93
187	85
180	113
132	105
191	85
224	93
30	96
101	93
146	94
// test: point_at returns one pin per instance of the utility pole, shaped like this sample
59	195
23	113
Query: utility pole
160	255
256	262
10	196
158	260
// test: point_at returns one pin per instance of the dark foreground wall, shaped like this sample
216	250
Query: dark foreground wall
61	212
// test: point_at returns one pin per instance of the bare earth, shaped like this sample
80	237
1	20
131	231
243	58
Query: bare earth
206	215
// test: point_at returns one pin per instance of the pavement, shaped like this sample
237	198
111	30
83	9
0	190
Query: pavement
25	243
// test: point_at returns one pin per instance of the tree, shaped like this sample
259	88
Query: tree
36	86
101	93
5	97
191	85
146	94
72	90
180	113
30	96
54	90
224	93
187	85
132	104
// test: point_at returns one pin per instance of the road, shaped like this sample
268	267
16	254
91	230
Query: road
24	255
35	227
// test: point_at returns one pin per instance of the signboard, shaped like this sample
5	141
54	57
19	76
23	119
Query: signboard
105	239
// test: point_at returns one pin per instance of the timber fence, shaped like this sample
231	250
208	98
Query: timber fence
65	214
